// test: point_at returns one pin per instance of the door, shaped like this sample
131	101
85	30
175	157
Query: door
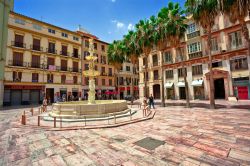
156	91
243	92
219	89
50	95
182	93
34	96
16	97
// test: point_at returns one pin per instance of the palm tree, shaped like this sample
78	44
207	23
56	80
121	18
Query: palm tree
115	57
204	13
237	10
172	28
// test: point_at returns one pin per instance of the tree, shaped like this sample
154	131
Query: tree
172	28
204	12
237	10
115	57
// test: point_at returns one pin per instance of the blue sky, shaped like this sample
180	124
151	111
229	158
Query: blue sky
107	19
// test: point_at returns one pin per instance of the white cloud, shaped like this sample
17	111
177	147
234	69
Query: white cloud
130	26
113	0
109	32
119	25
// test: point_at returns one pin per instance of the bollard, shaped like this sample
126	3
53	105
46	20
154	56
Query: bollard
130	115
54	122
38	120
23	118
60	122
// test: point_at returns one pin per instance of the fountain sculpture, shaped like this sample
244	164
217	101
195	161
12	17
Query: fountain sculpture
92	108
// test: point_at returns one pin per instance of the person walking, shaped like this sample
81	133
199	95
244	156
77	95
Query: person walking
45	104
151	101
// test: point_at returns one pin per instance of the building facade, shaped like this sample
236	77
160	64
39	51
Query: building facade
44	60
105	83
127	81
230	57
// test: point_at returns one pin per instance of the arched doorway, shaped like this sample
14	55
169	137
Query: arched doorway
219	88
157	91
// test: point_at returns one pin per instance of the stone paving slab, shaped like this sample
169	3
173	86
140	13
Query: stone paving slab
195	136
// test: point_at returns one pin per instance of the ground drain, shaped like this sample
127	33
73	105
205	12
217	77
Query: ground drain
149	143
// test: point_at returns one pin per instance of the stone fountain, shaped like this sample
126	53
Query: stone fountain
91	73
78	110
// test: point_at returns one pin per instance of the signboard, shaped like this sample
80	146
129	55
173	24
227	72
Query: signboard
52	67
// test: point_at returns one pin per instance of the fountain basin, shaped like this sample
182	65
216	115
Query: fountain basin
80	109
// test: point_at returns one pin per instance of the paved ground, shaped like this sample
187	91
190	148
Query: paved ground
176	136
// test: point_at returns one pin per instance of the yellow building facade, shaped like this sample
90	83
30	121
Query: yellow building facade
231	64
44	60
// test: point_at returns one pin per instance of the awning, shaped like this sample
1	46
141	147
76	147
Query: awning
197	83
169	85
181	84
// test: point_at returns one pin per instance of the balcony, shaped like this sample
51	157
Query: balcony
49	81
75	55
64	53
169	61
75	69
156	64
18	63
51	51
110	75
36	48
34	80
193	34
36	65
195	55
18	44
236	47
64	68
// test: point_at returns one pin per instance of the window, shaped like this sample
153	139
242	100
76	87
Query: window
110	82
155	60
37	27
17	76
194	47
17	59
75	38
156	75
64	34
110	71
103	59
103	81
86	53
96	68
75	52
87	43
169	74
103	71
75	79
63	79
51	31
64	50
146	76
145	61
35	63
216	64
168	57
19	21
75	66
214	44
127	68
51	48
239	64
35	77
197	70
36	44
19	41
103	48
95	46
86	66
86	80
191	28
50	78
235	39
182	71
63	65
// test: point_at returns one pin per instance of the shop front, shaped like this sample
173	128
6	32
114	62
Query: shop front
198	88
23	94
169	90
241	88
